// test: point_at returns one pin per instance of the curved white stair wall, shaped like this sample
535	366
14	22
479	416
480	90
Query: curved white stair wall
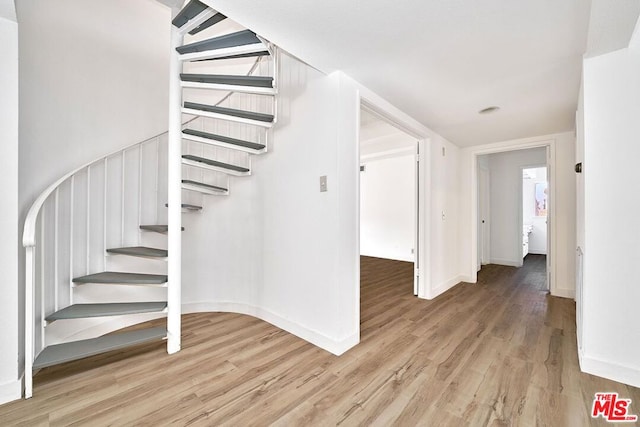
274	249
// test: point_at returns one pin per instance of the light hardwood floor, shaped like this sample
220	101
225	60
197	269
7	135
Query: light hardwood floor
501	352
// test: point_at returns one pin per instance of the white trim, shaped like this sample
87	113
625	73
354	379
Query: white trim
565	293
537	252
10	391
507	262
336	346
500	147
607	369
444	286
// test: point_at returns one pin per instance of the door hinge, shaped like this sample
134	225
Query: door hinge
417	272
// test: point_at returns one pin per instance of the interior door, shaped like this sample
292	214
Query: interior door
416	250
484	204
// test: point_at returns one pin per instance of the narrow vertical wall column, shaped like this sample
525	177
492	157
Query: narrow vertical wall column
174	268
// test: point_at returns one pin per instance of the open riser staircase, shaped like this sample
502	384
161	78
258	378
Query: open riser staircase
103	243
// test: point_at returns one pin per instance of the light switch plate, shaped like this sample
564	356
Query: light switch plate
323	183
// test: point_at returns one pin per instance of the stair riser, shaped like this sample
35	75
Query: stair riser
227	117
221	53
204	190
223	144
231	88
213	168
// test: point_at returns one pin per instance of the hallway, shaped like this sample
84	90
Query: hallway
499	352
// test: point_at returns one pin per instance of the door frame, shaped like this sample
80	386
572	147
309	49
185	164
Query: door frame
421	267
475	152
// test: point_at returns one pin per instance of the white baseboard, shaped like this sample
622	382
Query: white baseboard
537	252
10	391
335	346
610	370
507	262
443	287
564	293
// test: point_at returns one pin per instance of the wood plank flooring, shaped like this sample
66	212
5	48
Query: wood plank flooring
501	352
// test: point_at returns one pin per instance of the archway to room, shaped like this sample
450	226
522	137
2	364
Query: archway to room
389	215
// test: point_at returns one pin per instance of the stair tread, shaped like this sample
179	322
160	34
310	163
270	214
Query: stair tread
202	184
216	163
239	38
225	139
139	251
251	115
122	278
253	81
158	228
235	56
66	352
208	23
187	206
78	311
190	11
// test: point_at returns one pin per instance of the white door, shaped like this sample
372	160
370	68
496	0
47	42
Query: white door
484	210
549	209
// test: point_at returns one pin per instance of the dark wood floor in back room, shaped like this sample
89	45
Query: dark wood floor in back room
501	352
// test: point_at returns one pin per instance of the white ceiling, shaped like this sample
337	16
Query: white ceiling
441	61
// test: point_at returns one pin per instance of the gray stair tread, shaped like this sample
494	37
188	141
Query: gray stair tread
224	139
139	251
241	55
190	11
208	23
157	228
202	184
251	115
239	38
61	353
215	163
124	278
187	206
78	311
253	81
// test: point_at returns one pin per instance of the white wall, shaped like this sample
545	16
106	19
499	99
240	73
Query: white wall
565	206
93	78
611	328
388	208
9	376
506	184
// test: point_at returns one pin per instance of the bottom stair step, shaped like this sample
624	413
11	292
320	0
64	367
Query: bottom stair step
81	311
66	352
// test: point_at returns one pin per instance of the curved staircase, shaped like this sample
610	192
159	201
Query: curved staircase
71	226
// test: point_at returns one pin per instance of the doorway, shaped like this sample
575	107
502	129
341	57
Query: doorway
514	207
389	194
